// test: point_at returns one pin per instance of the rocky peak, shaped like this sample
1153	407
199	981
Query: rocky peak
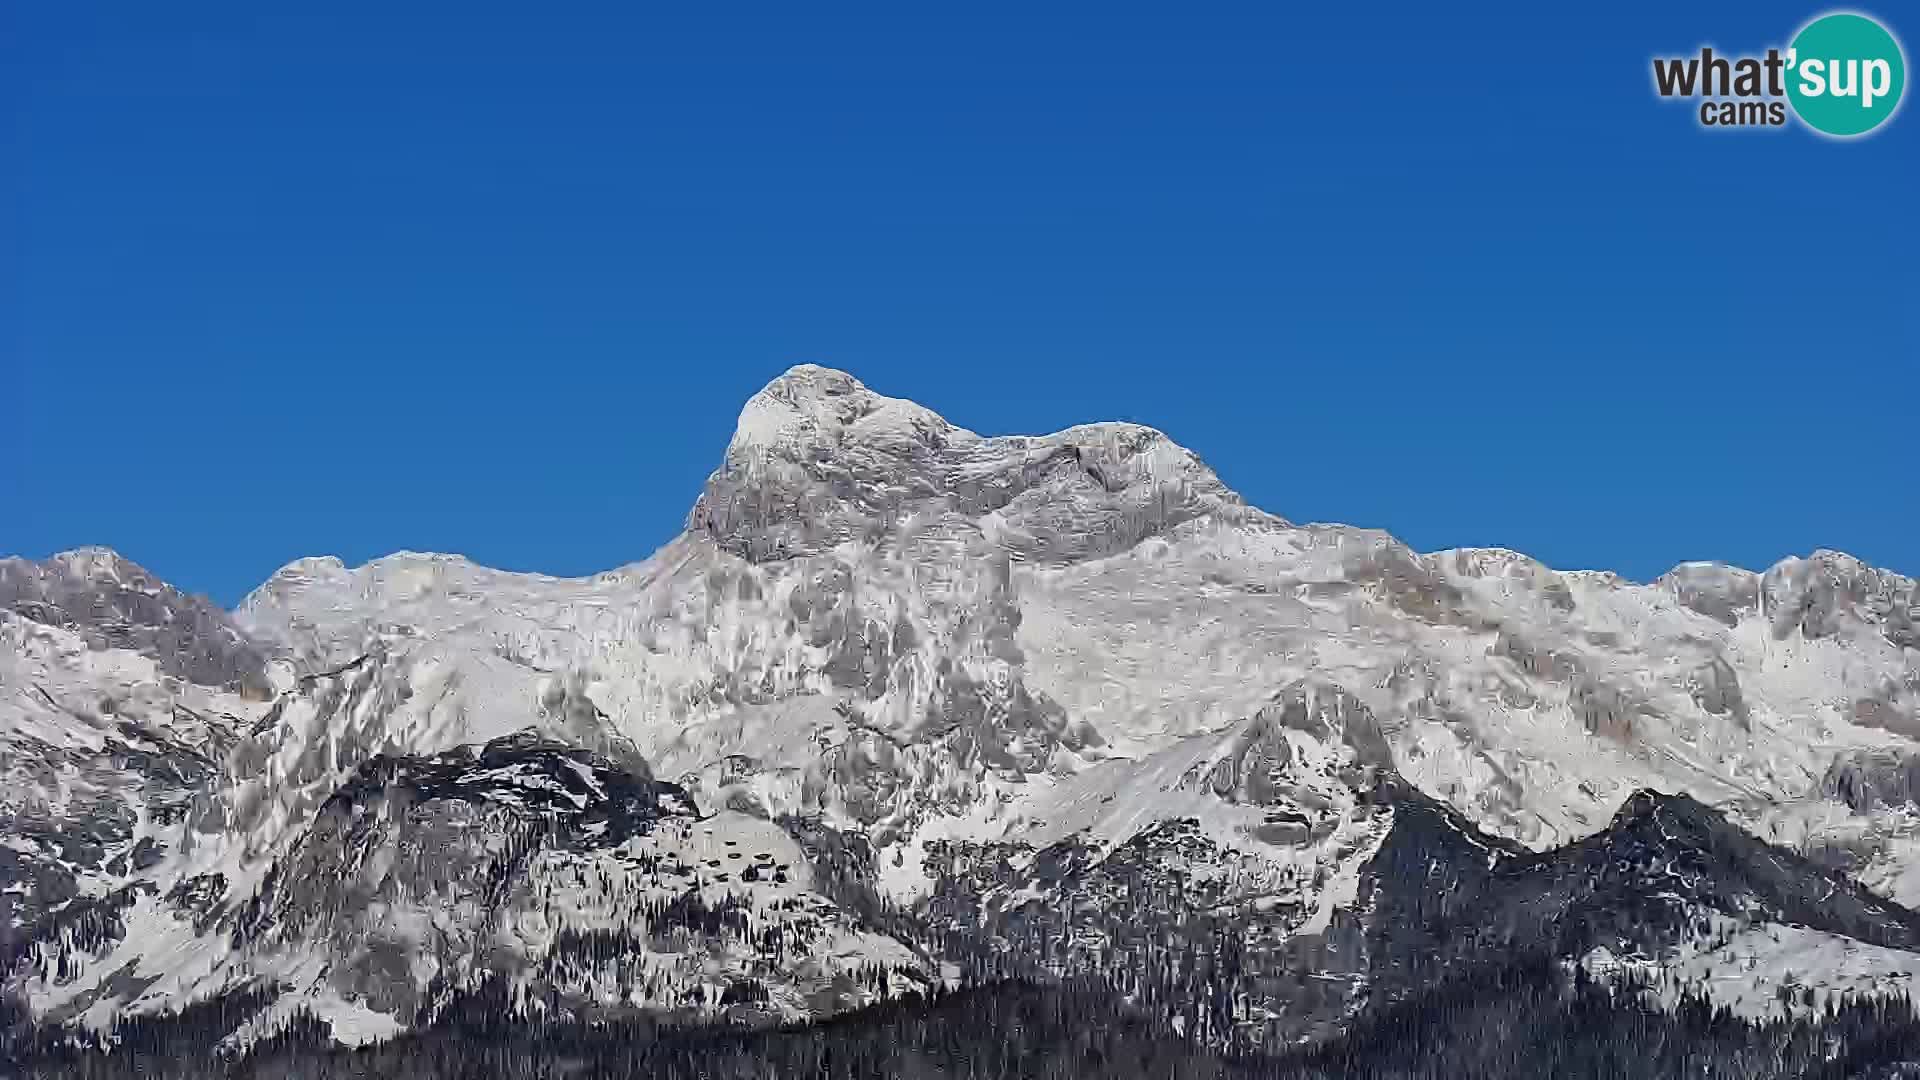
1720	592
1829	593
818	460
810	407
114	603
102	564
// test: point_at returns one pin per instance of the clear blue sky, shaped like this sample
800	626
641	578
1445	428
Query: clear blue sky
497	280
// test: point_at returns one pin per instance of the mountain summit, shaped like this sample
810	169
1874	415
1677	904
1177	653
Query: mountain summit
819	460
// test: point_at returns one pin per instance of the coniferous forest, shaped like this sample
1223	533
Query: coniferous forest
1520	1018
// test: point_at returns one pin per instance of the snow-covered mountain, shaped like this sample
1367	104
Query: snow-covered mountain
906	703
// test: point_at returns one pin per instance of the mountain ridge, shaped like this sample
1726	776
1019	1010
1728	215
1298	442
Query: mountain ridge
969	696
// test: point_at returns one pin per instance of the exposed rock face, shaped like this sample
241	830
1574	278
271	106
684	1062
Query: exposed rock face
1872	779
419	872
1260	765
116	604
1724	594
103	758
1716	688
1830	592
905	699
819	460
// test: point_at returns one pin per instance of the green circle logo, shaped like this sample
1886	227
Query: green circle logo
1845	74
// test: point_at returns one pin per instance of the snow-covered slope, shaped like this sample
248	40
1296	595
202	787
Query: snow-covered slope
882	628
